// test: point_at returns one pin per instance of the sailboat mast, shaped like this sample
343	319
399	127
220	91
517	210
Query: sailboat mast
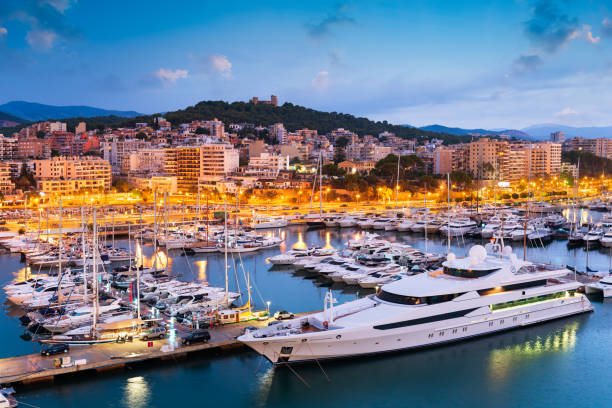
448	234
95	271
321	186
397	180
84	252
225	254
154	231
60	247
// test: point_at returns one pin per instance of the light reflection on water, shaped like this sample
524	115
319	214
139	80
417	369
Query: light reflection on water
137	392
506	360
202	270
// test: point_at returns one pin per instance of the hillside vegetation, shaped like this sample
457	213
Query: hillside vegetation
292	116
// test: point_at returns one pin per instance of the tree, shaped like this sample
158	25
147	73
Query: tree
202	131
460	178
41	134
25	181
295	160
243	161
333	171
141	135
342	142
339	155
121	185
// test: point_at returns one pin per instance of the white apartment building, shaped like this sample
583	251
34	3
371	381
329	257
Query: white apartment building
117	152
147	161
277	131
217	160
267	165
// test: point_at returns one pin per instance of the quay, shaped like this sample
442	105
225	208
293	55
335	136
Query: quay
34	368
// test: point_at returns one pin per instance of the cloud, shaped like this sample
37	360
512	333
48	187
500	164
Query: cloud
321	80
527	63
587	34
219	64
3	31
566	113
333	19
41	40
549	28
606	27
171	76
46	24
59	5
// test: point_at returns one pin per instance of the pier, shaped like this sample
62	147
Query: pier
34	368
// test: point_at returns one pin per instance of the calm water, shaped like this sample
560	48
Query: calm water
561	363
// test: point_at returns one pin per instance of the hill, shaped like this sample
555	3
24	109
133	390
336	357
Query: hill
7	120
32	112
294	117
543	131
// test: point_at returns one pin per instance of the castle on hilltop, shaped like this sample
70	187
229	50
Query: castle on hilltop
273	101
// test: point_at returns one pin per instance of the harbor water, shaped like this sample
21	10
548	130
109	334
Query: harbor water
560	363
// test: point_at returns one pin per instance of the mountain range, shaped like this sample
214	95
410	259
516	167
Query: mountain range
22	111
535	132
461	132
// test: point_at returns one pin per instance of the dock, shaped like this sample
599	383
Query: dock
34	368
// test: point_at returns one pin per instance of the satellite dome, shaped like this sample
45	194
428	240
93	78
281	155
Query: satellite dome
477	254
451	257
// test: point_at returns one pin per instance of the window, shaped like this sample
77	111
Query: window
468	273
526	301
490	324
424	320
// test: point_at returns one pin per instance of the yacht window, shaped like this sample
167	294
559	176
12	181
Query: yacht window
401	299
534	299
469	273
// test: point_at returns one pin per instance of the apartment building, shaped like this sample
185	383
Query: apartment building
267	166
447	159
205	163
147	161
61	175
32	147
6	185
278	132
8	148
117	151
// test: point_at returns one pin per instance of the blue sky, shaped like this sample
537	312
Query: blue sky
491	64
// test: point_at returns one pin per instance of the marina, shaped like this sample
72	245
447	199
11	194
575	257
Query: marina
293	290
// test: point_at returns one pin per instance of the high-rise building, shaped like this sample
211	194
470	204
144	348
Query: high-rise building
557	137
278	132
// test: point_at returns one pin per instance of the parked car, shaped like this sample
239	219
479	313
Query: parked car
283	315
58	348
153	333
250	328
198	336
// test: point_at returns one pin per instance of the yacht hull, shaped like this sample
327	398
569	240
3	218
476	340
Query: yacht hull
362	341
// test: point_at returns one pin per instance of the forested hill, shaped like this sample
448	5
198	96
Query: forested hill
292	116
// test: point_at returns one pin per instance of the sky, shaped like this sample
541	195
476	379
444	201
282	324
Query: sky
475	64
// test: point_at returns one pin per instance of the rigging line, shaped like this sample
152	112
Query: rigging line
236	275
296	374
318	363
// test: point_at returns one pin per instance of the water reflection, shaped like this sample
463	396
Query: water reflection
137	392
300	244
202	270
263	387
505	360
328	244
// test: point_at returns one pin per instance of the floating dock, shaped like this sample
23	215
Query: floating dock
34	368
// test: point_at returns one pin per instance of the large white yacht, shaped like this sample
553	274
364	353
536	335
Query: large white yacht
468	297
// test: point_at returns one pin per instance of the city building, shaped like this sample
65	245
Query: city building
8	148
33	147
61	175
266	165
6	185
278	132
557	137
357	166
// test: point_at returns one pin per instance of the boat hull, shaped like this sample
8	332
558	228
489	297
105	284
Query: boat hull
362	341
